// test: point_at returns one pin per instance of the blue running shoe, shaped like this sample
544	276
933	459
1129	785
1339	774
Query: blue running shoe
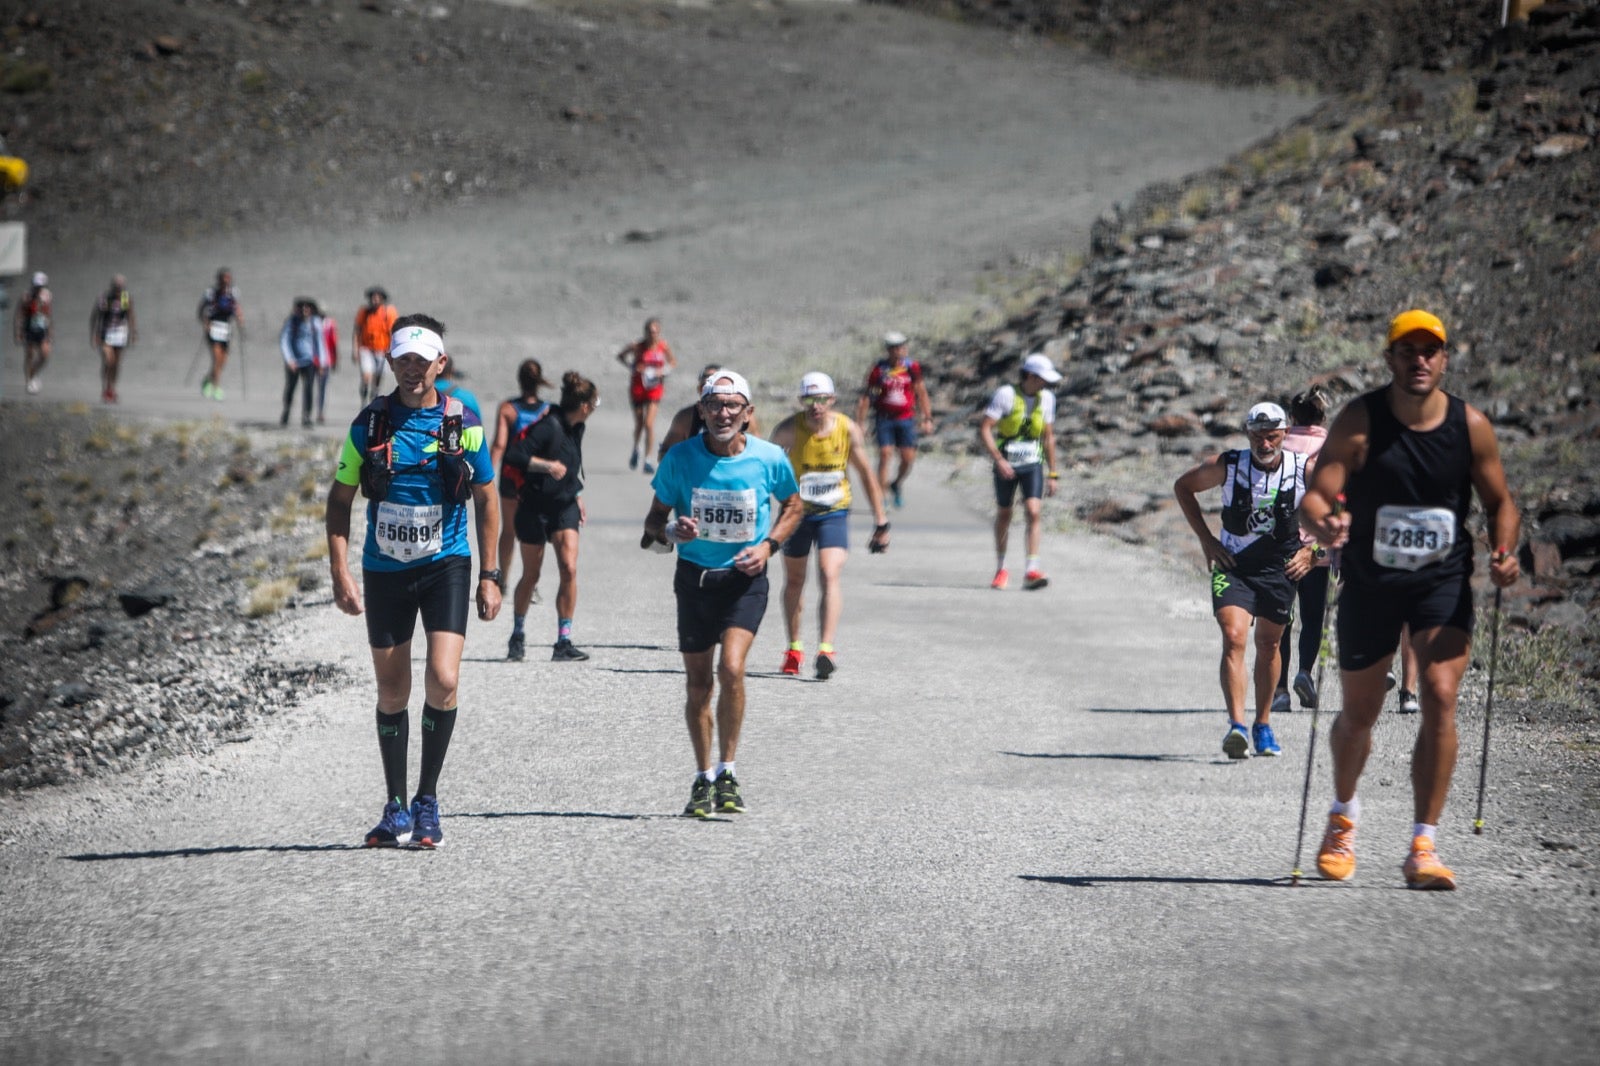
894	492
425	831
1236	742
1263	741
393	830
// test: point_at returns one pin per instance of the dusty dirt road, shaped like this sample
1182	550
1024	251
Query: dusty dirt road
1016	846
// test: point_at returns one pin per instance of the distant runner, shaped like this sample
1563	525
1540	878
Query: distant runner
113	329
303	342
329	361
222	319
823	446
35	329
374	322
512	419
1407	458
1307	413
550	509
895	393
418	459
1016	432
649	360
1254	565
721	484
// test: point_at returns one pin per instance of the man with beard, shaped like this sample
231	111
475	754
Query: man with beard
1254	563
1406	459
721	484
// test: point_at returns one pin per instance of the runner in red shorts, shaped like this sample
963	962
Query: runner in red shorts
648	359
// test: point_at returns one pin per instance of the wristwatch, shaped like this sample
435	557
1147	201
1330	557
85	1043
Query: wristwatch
772	545
489	575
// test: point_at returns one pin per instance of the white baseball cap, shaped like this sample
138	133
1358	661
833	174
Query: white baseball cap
893	339
816	383
39	278
1040	364
1266	416
725	383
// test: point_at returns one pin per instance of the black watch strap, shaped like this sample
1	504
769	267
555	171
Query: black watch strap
772	544
489	575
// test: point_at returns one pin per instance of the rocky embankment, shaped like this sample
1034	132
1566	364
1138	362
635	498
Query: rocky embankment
142	571
1469	191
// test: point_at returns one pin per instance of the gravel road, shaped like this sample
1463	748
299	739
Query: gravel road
1004	831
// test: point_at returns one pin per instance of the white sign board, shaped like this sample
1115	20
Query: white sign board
13	248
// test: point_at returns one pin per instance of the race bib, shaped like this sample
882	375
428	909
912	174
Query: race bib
725	516
406	533
822	488
1409	538
39	323
219	329
117	336
1022	452
650	376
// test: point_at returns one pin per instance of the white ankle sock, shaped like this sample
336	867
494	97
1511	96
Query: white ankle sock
1422	829
1350	809
724	768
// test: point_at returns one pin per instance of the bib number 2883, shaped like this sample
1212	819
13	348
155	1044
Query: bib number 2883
1409	538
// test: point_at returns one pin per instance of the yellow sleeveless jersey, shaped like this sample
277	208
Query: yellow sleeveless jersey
820	463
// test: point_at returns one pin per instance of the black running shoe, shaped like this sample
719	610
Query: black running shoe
565	652
517	648
727	798
825	665
699	805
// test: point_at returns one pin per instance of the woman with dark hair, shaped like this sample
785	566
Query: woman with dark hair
511	421
1307	413
304	348
649	360
550	509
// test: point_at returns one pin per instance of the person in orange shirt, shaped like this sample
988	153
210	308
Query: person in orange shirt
374	321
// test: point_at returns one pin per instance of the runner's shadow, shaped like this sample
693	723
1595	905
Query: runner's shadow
195	853
1155	710
631	647
1117	755
929	585
603	815
640	670
1098	880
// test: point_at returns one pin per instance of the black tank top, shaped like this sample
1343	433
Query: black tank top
1410	468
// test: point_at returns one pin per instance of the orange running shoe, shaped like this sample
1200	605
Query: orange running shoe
1001	576
791	662
1424	870
1336	859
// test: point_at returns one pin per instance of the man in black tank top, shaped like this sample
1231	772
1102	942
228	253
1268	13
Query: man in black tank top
1254	564
1405	459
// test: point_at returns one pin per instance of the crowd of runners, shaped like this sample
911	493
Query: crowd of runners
1371	510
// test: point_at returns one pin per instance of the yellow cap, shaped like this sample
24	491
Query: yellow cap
1413	320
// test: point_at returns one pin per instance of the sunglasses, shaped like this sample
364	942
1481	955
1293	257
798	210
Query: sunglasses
815	401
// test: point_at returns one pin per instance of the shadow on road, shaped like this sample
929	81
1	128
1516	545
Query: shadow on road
1124	756
192	853
556	814
1096	880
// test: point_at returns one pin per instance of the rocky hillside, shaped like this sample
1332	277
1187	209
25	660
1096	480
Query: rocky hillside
1470	191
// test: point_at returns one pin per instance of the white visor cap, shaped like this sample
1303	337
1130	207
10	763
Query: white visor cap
416	340
726	383
39	279
893	339
816	383
1040	364
1266	416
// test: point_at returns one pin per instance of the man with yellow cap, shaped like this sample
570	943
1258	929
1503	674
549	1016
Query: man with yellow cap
1405	460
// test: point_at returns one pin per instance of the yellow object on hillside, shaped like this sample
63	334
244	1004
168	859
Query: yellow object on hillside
13	169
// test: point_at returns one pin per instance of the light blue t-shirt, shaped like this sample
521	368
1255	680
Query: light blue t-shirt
730	496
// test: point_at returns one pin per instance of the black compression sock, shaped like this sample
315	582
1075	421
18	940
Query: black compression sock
436	728
394	734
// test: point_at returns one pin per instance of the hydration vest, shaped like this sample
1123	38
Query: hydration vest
1019	425
377	467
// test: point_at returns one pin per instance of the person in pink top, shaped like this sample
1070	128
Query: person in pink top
1307	413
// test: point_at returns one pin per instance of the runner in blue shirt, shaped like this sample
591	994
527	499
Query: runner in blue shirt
721	484
418	458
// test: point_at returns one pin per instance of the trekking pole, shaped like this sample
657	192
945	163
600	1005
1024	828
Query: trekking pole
1324	653
200	350
1488	713
244	370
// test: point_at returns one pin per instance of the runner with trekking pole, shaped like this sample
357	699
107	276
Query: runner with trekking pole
1324	653
1408	457
1488	714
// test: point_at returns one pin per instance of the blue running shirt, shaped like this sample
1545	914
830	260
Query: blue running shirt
730	496
414	526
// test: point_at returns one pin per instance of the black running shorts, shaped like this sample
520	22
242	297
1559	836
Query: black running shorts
711	602
1268	594
440	591
1030	479
535	519
1370	616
